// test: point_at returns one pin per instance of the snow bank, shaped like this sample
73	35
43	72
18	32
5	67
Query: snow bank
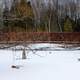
54	65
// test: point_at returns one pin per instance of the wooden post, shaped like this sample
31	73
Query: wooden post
24	54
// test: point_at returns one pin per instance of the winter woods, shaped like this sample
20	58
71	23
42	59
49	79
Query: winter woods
40	15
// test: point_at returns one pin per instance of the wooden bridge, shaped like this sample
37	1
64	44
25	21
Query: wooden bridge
39	37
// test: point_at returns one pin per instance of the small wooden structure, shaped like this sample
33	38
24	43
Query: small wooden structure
39	37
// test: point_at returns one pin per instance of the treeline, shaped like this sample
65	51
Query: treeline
53	16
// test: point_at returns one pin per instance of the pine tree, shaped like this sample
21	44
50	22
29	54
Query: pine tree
68	25
23	11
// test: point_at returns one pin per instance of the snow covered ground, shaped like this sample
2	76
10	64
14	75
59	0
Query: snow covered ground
53	65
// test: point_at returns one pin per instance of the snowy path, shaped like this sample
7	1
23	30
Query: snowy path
59	65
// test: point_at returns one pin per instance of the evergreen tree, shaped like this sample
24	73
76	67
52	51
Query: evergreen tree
77	26
23	11
68	25
6	16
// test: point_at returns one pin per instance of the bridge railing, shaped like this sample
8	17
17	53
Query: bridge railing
40	36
